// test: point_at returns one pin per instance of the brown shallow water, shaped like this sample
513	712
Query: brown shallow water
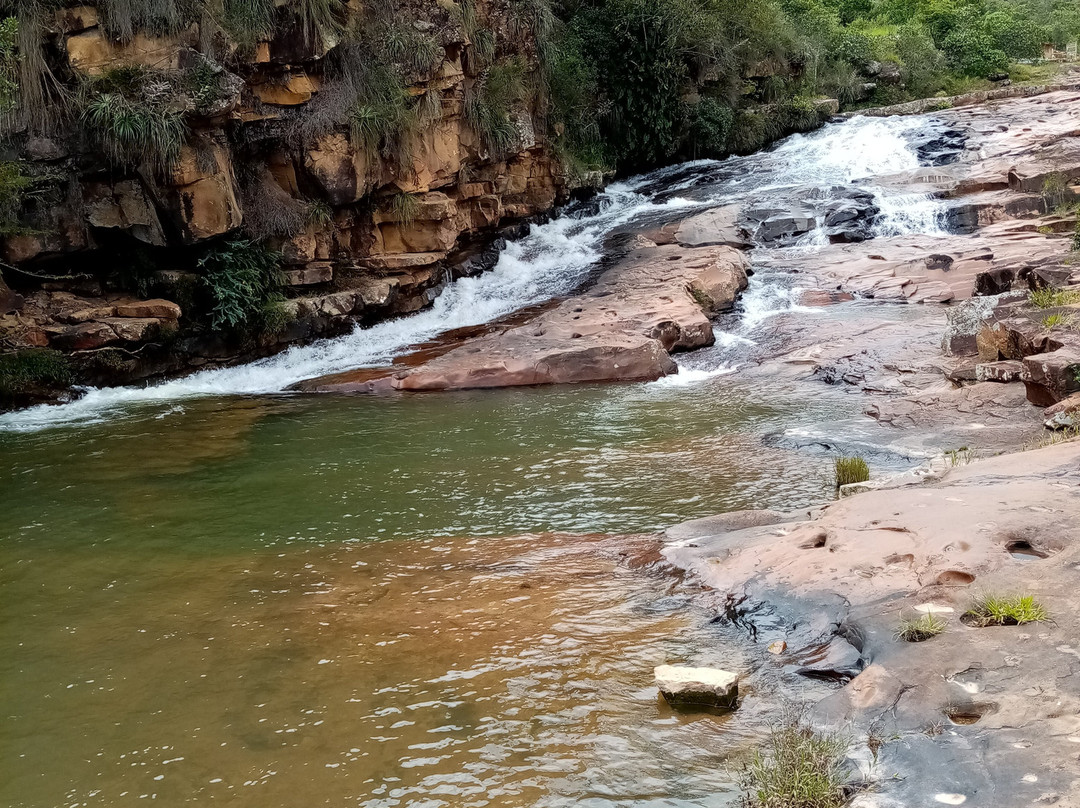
486	672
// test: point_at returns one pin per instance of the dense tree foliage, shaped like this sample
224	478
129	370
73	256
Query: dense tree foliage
637	82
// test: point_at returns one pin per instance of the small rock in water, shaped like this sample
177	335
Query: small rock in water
710	687
777	647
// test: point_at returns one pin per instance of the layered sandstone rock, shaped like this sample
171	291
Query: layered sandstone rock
654	302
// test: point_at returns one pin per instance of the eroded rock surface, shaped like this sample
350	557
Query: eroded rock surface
655	301
998	703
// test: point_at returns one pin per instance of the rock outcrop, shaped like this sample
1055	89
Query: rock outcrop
995	702
657	300
271	151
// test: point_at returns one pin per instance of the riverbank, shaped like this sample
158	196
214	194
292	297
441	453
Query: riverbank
833	585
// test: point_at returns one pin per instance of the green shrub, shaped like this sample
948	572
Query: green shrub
249	21
850	470
489	102
24	371
973	53
710	128
243	280
920	628
15	185
404	207
1075	247
9	64
416	52
1056	320
800	768
1012	610
1055	189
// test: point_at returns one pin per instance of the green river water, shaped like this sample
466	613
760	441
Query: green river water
319	601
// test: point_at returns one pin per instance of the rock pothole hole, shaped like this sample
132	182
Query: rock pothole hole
954	578
967	714
1023	550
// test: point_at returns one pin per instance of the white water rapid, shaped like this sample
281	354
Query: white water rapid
555	257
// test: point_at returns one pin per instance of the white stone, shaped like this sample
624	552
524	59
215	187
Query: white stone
934	608
706	686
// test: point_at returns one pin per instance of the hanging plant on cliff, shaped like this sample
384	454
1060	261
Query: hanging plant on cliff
243	281
132	114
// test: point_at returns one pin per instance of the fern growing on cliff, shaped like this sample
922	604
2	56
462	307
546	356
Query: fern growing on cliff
243	281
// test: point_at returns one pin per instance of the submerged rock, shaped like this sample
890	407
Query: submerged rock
709	687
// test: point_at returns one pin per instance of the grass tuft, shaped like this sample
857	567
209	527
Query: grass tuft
961	456
1011	610
851	470
1056	320
23	371
1052	298
800	768
405	207
920	628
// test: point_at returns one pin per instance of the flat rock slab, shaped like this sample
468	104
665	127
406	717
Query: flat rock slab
657	300
710	687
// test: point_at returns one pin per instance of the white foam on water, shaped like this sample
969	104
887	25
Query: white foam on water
688	376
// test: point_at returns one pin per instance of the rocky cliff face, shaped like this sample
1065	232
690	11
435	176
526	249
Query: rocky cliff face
369	149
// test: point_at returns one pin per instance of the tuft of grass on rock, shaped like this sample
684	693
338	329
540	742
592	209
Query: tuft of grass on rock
851	470
1052	298
921	628
799	768
1011	610
1056	320
961	456
22	372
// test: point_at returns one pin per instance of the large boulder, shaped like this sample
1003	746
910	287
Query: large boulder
202	194
123	205
1051	377
994	282
719	226
343	174
1013	338
709	687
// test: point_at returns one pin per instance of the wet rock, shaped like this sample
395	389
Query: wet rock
821	297
777	224
836	661
994	282
1005	371
723	523
719	226
708	687
654	301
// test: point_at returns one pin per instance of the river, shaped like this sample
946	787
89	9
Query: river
213	590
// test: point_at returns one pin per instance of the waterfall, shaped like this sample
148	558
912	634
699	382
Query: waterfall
553	259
